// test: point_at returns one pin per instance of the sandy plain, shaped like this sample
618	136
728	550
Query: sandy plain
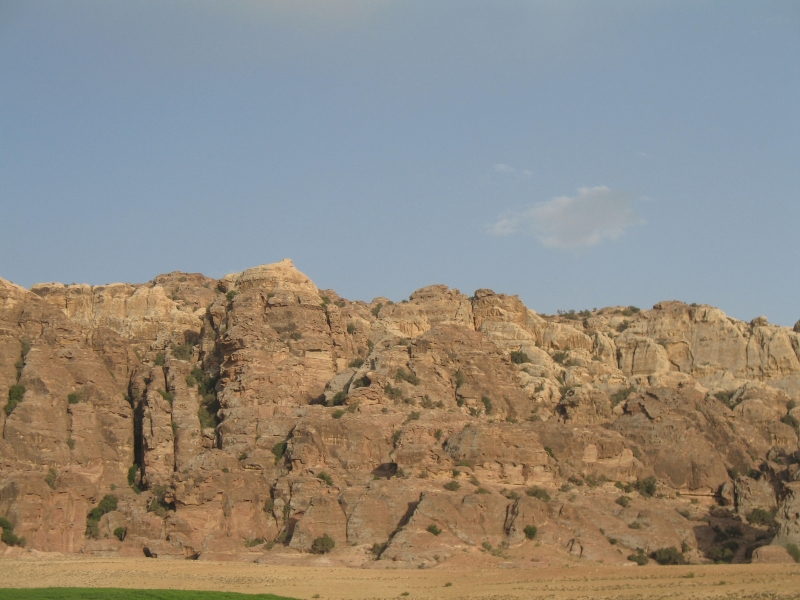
649	582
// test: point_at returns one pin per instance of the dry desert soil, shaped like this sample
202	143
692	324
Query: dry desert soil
707	581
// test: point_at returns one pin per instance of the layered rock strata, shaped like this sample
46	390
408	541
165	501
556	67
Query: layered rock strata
247	417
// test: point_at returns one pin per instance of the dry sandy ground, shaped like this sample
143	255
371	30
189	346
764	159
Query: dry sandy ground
709	581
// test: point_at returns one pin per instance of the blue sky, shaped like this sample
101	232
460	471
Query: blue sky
579	154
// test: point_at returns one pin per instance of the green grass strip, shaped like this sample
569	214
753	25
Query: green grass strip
125	594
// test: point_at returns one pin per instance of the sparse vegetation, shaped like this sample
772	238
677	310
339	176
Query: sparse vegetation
50	478
793	551
669	556
15	395
762	517
621	395
530	531
338	413
356	363
518	357
393	392
623	501
73	398
121	533
452	486
560	357
537	492
377	309
8	536
377	549
159	359
231	295
323	476
106	505
459	379
403	375
487	404
323	544
133	478
640	558
351	328
182	351
432	528
338	398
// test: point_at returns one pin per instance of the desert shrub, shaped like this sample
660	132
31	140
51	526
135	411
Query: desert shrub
452	486
323	544
646	487
432	528
483	490
560	357
530	531
640	558
722	554
537	492
487	546
160	359
620	328
323	476
550	452
403	375
393	392
459	379
168	396
9	537
487	404
325	300
231	295
510	494
635	525
414	416
282	537
574	480
621	395
759	516
356	363
73	398
377	309
630	311
377	549
338	413
518	357
437	434
106	505
623	501
279	450
594	481
396	436
794	551
120	533
133	476
338	398
252	543
243	456
15	395
685	514
669	556
725	397
351	328
50	478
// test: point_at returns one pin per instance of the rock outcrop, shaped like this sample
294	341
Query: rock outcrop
250	416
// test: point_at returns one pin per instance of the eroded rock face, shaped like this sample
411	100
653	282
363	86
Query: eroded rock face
249	416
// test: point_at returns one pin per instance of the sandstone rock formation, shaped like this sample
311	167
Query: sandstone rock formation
249	416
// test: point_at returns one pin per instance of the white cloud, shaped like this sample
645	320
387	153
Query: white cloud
594	215
501	168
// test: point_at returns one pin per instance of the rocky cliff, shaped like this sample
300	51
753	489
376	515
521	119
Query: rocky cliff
249	416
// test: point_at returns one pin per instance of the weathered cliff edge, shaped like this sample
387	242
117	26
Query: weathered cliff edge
245	417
